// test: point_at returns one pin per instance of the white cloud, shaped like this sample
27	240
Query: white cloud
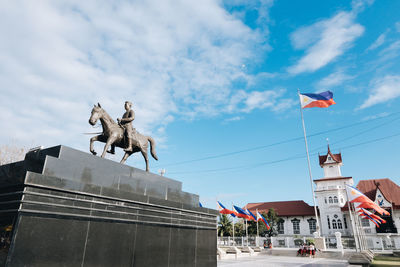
324	41
236	118
334	79
390	52
383	90
174	58
243	101
378	42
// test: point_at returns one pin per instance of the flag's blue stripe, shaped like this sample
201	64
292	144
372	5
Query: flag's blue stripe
321	96
222	206
252	215
240	210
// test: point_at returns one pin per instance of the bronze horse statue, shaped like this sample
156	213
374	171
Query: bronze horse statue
113	135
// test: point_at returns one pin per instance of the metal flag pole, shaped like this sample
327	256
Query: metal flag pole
233	229
355	231
247	237
257	226
309	166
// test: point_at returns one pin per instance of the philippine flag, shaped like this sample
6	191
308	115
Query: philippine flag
241	213
222	209
252	216
321	100
261	218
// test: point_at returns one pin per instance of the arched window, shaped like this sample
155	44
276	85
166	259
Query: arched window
312	225
330	200
339	224
334	225
335	199
296	226
281	226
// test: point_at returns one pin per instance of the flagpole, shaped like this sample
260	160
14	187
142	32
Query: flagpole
309	166
353	224
233	229
247	237
257	227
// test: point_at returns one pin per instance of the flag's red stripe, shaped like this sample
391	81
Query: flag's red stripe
320	104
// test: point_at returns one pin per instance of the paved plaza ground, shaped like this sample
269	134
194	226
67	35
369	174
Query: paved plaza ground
267	260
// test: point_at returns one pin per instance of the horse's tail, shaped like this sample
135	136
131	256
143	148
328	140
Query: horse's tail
152	147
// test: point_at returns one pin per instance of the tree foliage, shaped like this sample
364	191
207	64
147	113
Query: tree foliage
11	153
224	225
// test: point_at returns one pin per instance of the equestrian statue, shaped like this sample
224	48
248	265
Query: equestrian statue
121	134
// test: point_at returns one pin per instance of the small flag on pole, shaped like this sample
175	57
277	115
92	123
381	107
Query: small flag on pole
261	218
321	100
241	213
252	216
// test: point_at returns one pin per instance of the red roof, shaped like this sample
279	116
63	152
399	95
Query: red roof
283	208
335	157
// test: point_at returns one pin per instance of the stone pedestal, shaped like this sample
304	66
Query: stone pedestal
61	206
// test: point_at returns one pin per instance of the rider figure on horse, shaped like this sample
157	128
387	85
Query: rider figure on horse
126	123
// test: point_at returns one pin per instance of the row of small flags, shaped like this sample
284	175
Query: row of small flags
242	213
355	196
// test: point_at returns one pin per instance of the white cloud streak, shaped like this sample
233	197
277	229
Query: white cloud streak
334	79
383	90
324	41
378	42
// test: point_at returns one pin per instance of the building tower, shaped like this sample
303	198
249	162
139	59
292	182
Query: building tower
330	192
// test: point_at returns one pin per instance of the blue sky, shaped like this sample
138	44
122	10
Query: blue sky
214	82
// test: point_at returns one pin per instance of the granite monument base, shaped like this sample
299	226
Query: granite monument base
61	206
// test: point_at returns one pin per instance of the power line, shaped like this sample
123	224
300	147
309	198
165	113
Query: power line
297	156
280	142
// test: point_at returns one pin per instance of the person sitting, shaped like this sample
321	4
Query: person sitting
300	251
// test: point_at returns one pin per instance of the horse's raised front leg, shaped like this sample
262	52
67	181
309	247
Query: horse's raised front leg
92	140
109	142
125	157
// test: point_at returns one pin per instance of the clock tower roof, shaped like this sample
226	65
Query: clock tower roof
334	157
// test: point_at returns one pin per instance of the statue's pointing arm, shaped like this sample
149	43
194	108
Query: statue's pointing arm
130	118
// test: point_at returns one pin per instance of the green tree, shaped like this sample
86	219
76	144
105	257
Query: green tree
272	219
224	225
240	228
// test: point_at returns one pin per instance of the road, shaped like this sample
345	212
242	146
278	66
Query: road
267	260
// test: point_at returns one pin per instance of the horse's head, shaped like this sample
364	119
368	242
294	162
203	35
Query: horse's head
97	113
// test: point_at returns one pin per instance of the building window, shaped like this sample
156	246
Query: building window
329	158
364	222
335	199
281	227
296	226
329	223
330	200
312	225
341	200
345	221
339	224
334	225
326	201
